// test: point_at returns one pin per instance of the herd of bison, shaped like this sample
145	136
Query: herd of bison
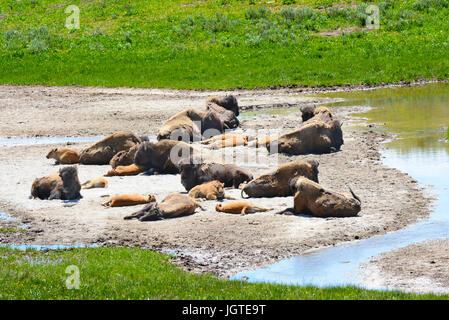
173	153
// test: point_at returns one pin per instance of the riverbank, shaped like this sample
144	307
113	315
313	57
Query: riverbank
206	241
420	268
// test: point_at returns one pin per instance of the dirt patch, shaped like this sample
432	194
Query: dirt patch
207	241
422	267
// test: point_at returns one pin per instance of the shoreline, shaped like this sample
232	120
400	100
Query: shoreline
206	241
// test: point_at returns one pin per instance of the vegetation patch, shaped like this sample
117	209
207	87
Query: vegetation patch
222	44
123	273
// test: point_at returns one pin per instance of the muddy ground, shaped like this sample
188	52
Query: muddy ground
207	241
421	267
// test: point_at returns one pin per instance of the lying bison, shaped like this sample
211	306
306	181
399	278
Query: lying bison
227	109
228	102
230	175
162	156
277	183
314	136
64	185
311	198
213	190
309	112
102	151
124	157
174	205
64	156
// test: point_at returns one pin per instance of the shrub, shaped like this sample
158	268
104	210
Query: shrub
255	14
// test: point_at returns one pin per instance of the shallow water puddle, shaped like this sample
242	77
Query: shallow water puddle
40	247
15	142
419	116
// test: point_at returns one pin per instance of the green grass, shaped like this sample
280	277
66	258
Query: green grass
122	273
221	44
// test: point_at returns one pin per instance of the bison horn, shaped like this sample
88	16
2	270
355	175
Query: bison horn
354	195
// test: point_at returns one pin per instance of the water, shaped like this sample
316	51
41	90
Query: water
40	247
14	142
419	117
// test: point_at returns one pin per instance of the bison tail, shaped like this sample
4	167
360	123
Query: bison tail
354	195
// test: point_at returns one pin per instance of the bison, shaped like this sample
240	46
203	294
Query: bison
311	198
64	185
103	151
174	205
277	183
230	175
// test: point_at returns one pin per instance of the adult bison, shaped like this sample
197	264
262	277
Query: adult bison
174	205
231	175
163	156
311	198
227	108
103	151
63	185
277	183
314	136
124	157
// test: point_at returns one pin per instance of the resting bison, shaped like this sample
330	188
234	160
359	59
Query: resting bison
123	200
239	207
157	157
213	190
323	113
190	125
277	183
64	185
194	174
102	151
64	156
312	198
314	136
228	102
95	183
174	205
228	118
125	157
227	136
131	170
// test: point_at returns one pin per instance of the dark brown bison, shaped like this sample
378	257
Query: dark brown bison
174	205
231	175
323	113
228	102
163	156
64	185
314	136
102	151
311	198
277	183
124	157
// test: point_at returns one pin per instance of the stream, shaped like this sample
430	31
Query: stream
418	116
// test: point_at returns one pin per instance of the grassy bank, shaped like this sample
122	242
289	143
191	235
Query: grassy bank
120	273
222	44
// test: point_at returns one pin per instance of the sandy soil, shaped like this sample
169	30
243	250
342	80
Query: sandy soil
206	241
421	267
